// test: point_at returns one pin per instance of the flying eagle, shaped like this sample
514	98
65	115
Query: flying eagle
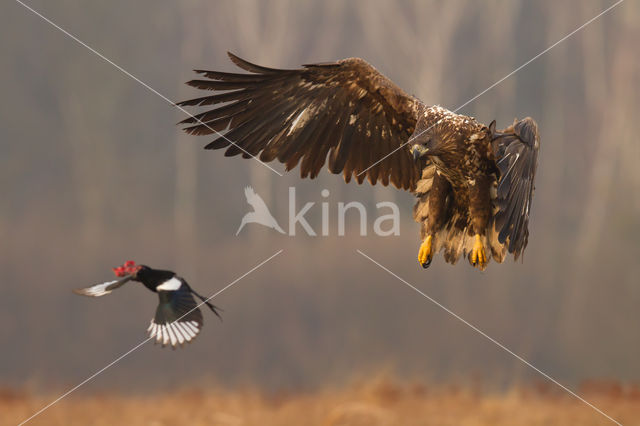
474	184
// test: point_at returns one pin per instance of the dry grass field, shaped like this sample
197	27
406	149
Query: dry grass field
376	402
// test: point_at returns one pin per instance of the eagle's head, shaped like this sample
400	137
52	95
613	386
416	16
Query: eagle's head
418	151
424	144
438	140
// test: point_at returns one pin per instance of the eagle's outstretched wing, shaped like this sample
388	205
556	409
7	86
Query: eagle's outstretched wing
516	153
345	110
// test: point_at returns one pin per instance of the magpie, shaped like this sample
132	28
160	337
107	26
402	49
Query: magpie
178	319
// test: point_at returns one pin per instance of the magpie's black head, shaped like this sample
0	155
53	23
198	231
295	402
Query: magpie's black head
129	269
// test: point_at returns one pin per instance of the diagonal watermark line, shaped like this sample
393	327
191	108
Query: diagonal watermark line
128	74
115	361
500	345
581	27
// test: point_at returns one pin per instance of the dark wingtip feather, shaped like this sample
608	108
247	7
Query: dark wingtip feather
248	66
193	83
251	67
218	143
218	84
527	131
200	129
233	77
322	65
192	102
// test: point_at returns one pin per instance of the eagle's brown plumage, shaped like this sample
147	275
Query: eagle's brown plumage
345	109
474	184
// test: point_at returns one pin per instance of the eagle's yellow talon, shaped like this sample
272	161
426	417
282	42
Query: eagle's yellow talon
425	254
478	254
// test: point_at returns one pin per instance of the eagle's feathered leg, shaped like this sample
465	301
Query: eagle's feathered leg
480	209
436	218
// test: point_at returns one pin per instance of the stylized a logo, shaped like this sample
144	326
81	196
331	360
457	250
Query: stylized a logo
260	213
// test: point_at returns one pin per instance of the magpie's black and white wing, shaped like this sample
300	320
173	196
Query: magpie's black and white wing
178	320
344	111
102	289
516	154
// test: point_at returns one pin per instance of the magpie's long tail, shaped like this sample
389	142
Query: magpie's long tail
211	306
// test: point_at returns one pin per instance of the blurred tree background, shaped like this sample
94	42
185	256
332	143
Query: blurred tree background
93	171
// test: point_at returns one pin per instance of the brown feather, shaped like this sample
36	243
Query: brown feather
349	91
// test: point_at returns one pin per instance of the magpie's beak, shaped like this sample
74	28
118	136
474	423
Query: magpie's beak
418	151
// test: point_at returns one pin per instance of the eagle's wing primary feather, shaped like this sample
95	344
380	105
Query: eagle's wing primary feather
516	153
346	111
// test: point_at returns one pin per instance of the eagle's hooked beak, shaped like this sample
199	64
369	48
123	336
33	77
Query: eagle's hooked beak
418	151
